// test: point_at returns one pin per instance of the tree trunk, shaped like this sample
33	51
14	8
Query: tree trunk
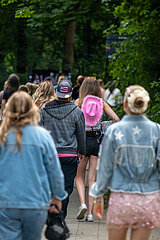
69	47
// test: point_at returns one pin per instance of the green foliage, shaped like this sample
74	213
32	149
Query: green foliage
5	71
140	20
4	74
41	26
46	22
154	109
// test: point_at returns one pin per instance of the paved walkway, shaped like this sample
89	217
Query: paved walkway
81	230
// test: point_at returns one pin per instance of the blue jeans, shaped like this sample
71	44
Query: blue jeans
21	224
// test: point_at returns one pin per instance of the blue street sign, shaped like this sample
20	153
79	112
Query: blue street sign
111	41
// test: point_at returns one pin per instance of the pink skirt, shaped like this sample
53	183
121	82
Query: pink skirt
133	210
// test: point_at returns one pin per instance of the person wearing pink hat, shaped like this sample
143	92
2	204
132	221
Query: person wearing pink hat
92	108
91	103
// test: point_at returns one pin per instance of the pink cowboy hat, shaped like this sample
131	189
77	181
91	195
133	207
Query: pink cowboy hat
92	108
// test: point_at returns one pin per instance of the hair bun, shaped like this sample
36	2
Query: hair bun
138	99
138	102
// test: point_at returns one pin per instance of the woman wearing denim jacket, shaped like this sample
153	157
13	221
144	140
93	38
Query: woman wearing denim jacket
129	165
30	172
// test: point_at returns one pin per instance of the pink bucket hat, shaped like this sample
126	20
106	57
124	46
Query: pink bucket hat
92	109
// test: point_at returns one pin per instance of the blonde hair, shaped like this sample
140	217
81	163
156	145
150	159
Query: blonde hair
100	82
23	88
62	77
89	87
19	112
137	99
44	93
32	87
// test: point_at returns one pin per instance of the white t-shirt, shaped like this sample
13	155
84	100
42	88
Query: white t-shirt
113	98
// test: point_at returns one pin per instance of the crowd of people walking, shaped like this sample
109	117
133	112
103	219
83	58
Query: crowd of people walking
49	135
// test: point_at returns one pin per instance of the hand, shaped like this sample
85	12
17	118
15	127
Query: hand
57	202
115	120
81	157
98	207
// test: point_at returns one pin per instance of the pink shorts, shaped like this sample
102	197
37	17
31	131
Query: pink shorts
133	210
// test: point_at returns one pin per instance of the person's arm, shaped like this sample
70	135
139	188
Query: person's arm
105	165
53	168
3	105
104	173
76	102
99	207
57	202
102	92
108	110
81	157
81	134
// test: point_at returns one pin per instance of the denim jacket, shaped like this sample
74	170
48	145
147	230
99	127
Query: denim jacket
129	158
31	176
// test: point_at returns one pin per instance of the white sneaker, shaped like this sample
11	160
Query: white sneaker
82	211
89	218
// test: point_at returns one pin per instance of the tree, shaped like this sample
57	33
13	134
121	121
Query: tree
140	64
60	18
9	43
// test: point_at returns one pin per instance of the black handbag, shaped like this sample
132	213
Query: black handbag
56	226
104	126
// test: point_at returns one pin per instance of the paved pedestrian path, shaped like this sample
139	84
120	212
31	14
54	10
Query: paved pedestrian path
82	230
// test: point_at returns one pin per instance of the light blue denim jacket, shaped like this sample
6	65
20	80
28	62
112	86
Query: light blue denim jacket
129	157
31	176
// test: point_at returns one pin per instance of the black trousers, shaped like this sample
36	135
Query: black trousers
69	169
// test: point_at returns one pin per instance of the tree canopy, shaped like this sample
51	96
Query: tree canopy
70	35
49	32
140	64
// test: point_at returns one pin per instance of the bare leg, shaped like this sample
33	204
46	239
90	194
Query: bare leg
80	180
140	234
117	234
91	179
